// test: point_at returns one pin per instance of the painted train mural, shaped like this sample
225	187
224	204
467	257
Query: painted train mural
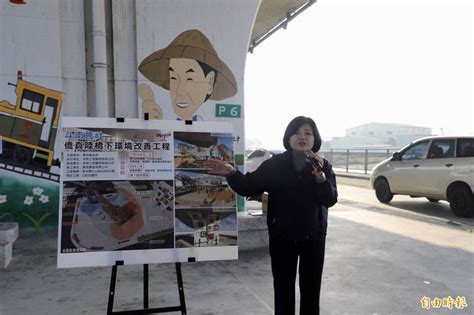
28	128
28	131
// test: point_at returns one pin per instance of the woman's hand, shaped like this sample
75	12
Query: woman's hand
218	167
317	171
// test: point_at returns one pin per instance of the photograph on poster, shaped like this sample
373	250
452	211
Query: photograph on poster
191	149
205	227
194	189
112	215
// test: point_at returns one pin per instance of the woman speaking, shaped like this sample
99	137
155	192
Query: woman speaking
301	187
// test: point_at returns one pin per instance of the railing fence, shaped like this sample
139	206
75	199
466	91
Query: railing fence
359	160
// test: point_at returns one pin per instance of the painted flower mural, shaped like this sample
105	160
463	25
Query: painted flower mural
44	199
38	191
28	200
33	203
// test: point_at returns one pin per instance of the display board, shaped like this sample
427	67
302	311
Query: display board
137	191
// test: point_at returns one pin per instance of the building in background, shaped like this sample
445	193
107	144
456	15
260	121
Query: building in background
377	136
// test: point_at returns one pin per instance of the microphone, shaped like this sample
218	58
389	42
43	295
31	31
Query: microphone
312	161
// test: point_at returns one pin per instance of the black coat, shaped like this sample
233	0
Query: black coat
297	205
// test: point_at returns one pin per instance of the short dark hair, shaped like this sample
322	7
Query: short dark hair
206	69
293	127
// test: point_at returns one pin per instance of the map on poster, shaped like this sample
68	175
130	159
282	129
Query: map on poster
137	192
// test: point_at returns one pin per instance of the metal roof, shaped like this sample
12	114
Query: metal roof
273	15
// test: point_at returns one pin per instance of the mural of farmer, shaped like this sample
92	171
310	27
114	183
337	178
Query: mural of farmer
191	70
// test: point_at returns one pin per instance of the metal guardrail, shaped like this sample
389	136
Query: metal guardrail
358	160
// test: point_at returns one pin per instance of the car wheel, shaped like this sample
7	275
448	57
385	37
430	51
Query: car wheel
432	200
382	191
461	202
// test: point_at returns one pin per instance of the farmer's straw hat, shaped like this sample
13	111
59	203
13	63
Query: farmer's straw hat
191	44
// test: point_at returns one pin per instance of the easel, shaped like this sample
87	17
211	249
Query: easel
146	309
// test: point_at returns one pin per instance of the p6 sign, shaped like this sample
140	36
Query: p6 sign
228	110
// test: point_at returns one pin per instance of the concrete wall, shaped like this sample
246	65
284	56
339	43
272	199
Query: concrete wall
51	42
73	57
30	42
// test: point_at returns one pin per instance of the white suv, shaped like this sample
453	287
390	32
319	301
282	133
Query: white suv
255	158
438	168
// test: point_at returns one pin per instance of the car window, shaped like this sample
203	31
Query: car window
415	152
465	148
256	153
441	149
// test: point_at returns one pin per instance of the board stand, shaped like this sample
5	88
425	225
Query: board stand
146	309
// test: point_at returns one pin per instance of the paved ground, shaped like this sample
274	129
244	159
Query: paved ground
379	260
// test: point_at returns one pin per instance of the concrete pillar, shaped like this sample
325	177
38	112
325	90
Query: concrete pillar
125	58
99	64
73	58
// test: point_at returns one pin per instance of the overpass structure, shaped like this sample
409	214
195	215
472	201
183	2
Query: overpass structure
273	15
87	54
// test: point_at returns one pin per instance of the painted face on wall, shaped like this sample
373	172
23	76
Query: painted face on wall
189	86
302	139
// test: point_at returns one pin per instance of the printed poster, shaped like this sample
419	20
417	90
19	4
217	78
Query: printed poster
137	192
